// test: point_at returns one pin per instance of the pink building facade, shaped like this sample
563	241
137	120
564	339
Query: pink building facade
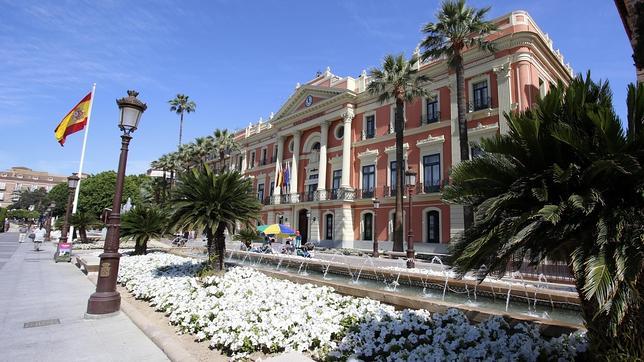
338	143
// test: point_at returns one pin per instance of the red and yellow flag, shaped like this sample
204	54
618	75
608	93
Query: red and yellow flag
74	121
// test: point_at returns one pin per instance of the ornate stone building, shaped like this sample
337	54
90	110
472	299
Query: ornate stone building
18	179
338	144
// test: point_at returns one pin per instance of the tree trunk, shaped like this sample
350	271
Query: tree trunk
400	175
220	242
468	215
83	234
140	246
210	244
180	128
626	344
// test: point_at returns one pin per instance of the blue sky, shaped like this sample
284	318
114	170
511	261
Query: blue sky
239	61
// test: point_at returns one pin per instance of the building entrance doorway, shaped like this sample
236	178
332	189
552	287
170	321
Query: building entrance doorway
303	225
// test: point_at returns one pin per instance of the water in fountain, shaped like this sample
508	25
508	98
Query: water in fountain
245	257
543	279
507	300
230	258
328	265
280	262
517	274
437	259
366	258
260	259
303	272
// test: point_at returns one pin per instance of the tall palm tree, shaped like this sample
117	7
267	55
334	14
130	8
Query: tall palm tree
213	203
180	105
224	144
458	29
566	183
399	80
204	147
141	224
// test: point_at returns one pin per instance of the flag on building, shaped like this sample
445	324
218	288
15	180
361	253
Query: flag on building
75	120
278	176
287	176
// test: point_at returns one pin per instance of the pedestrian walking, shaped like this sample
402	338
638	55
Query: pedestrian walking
39	237
23	233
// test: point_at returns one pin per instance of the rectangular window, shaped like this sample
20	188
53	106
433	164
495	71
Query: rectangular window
393	175
368	181
3	185
264	160
312	186
272	187
476	151
370	130
329	227
481	96
1	196
542	88
260	192
433	114
431	173
239	163
335	183
252	159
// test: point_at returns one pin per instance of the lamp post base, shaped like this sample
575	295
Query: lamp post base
104	303
411	255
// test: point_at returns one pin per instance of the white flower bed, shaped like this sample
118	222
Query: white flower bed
245	311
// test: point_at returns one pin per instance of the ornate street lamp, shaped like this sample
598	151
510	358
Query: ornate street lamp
106	299
410	181
376	205
72	182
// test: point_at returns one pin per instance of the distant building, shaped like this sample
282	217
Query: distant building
631	13
337	142
18	179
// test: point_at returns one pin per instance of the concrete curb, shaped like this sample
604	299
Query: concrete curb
165	341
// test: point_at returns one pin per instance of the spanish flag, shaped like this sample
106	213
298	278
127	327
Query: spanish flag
75	120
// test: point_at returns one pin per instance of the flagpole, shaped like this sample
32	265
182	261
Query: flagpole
82	160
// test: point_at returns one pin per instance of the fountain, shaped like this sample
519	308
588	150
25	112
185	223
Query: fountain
419	283
525	287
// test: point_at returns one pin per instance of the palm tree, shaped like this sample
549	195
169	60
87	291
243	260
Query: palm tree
204	147
459	28
213	203
565	184
398	79
141	224
224	144
82	221
180	105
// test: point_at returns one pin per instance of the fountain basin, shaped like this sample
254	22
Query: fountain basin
493	289
550	328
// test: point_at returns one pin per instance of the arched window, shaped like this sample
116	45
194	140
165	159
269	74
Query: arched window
433	226
328	222
316	146
367	222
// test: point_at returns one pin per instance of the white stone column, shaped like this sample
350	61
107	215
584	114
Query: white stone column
324	132
346	149
294	167
314	233
278	164
456	146
504	94
344	226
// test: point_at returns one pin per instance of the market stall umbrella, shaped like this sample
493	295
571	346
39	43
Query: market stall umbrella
276	229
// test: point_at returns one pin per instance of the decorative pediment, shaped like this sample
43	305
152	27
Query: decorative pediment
430	142
368	156
307	97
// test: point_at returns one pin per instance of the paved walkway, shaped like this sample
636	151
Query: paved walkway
35	289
